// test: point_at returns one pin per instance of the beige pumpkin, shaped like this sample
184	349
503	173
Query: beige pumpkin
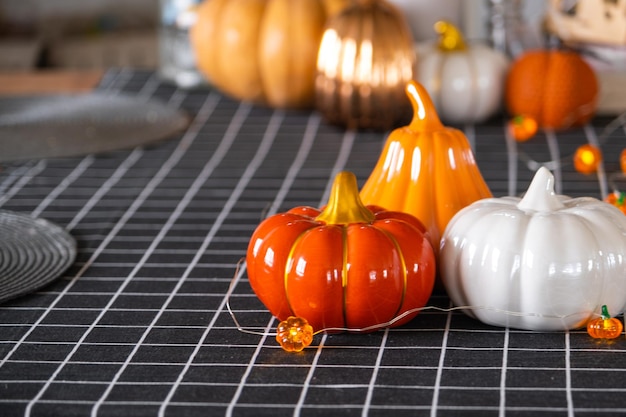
262	51
465	81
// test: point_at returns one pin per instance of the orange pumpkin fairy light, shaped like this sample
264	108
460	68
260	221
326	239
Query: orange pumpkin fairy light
587	159
605	327
618	199
294	334
522	128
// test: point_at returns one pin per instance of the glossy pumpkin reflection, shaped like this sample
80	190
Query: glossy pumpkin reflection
347	266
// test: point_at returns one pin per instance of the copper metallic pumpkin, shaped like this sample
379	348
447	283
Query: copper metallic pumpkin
365	59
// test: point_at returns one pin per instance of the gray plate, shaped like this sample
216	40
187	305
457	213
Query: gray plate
56	126
33	252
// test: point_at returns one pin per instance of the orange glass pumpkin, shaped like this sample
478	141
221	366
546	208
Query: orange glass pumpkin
618	199
426	169
587	158
605	327
348	266
294	334
522	128
557	88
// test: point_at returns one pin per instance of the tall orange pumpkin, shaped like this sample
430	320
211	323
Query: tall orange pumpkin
426	169
555	87
347	266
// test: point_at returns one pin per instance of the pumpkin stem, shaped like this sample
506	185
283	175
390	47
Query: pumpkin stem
540	195
605	313
425	117
451	38
345	205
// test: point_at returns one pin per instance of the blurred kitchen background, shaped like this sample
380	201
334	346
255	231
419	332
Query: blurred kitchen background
100	34
120	33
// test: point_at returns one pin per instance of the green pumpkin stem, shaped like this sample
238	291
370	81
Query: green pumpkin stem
345	205
605	313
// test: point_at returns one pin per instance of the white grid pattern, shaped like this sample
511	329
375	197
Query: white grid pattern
138	326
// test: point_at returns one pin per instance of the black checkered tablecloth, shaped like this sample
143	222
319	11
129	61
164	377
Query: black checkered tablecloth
139	325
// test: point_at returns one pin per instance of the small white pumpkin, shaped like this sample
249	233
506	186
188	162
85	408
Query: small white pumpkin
544	262
466	82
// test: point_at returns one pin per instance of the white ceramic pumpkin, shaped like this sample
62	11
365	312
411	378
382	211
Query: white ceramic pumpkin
543	262
466	82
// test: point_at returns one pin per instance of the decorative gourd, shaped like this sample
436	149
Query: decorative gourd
425	169
348	266
262	50
557	88
605	326
365	59
543	262
294	334
522	128
587	159
465	81
618	199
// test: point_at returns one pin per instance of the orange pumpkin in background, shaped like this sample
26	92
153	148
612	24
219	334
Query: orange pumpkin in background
557	88
426	169
262	51
347	266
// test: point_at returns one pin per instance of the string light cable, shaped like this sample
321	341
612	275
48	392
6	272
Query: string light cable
297	326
